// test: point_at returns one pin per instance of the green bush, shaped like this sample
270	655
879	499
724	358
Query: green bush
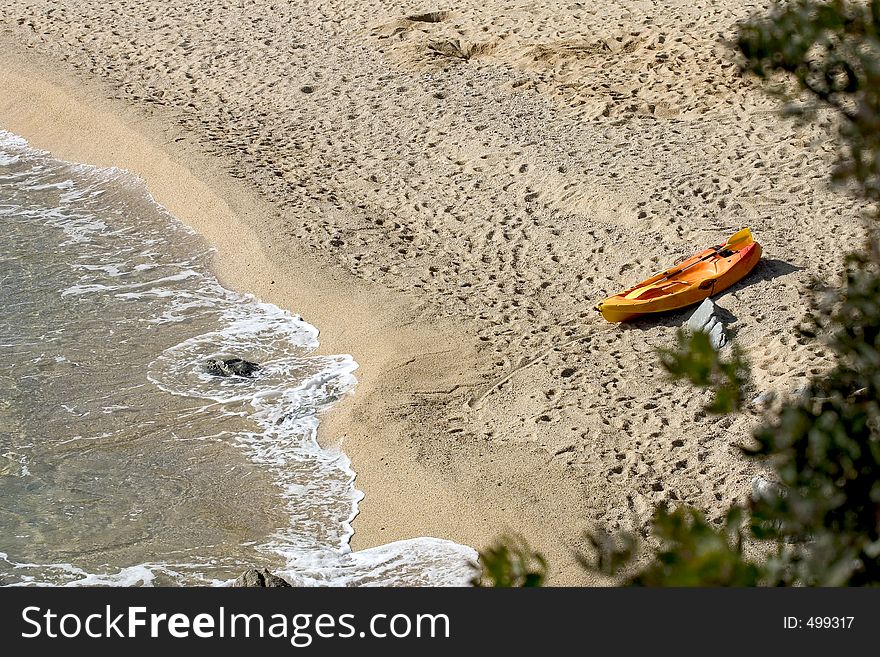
510	563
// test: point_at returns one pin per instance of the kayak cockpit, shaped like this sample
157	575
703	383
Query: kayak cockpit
654	291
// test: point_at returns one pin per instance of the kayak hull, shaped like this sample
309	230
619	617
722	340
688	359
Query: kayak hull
710	273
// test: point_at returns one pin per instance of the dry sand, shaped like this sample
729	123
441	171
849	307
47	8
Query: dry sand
446	193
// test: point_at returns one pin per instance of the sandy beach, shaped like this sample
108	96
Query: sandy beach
446	193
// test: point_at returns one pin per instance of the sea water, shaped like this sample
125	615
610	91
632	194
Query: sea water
122	460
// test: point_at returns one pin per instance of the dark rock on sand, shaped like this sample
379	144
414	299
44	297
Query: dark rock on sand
705	319
231	367
764	399
260	579
766	490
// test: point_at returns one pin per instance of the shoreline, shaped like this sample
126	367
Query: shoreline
387	332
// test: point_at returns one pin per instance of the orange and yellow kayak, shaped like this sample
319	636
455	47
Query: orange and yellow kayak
700	276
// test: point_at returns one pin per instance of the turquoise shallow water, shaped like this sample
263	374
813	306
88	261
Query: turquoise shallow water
121	460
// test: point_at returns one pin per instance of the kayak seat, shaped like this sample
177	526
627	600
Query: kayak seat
656	290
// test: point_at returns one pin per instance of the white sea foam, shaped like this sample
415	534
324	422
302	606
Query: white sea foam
145	574
14	464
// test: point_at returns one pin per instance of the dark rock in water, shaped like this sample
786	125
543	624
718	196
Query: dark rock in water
254	578
230	367
216	367
242	367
